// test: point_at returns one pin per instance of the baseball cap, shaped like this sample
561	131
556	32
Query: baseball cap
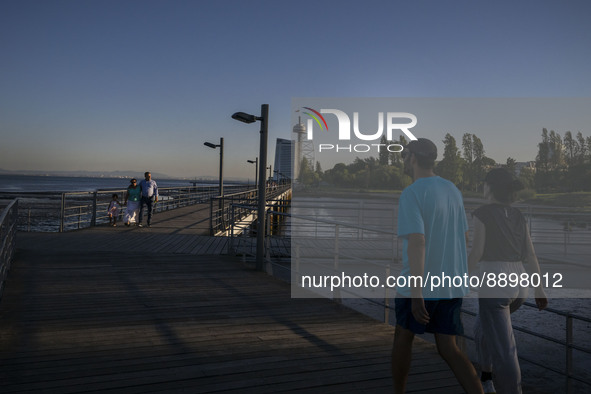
421	147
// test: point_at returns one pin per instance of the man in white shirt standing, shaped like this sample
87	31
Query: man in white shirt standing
149	190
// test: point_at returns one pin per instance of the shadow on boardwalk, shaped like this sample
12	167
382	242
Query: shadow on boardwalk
74	320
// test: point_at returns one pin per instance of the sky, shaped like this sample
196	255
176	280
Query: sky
141	85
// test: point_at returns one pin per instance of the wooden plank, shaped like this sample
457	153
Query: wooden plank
197	244
143	321
211	245
187	245
221	247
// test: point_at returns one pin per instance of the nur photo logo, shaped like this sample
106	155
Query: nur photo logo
390	122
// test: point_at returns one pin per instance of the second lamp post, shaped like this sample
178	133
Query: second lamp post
256	170
221	146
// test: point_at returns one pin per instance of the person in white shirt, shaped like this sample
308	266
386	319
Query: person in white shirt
149	190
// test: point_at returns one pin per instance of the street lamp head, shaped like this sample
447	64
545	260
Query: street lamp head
244	117
209	144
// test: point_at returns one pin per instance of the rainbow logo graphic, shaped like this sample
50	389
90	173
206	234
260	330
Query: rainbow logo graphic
315	115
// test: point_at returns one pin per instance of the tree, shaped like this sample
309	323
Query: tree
319	171
557	161
570	148
480	160
576	172
556	151
543	162
307	176
383	154
563	164
527	177
510	165
396	157
582	148
339	175
450	167
468	147
474	161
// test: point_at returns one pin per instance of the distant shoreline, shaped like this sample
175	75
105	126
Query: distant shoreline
116	176
126	177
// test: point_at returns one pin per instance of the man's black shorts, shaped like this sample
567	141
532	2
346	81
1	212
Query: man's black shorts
444	316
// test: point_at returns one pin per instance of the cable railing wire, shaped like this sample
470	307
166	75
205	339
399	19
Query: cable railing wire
567	343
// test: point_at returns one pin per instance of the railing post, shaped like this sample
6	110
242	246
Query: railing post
297	265
569	352
268	234
211	216
567	230
386	299
93	219
336	247
79	215
529	218
29	220
62	212
3	229
8	228
15	227
360	220
231	247
268	237
396	240
337	292
564	241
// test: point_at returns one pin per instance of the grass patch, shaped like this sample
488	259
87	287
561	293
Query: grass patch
579	200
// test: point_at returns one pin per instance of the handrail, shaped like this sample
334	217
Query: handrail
222	212
74	210
567	343
8	219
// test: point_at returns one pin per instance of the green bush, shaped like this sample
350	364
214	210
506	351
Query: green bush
526	194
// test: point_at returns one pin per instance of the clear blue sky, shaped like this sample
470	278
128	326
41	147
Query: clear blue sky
135	85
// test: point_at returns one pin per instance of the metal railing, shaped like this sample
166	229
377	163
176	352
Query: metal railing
225	211
338	255
220	210
567	343
58	212
556	232
8	219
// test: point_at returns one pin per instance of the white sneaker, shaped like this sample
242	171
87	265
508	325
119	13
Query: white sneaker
488	387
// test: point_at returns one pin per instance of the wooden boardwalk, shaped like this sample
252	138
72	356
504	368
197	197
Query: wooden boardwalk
145	310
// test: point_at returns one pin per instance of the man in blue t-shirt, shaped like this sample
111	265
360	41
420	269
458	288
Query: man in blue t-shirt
432	224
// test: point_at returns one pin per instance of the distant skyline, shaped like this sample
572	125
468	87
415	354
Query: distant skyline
136	85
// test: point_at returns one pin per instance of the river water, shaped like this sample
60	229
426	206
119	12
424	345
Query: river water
562	241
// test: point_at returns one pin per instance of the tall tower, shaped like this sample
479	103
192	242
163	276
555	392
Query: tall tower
304	148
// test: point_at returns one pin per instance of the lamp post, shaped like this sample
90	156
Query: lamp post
256	170
221	146
264	118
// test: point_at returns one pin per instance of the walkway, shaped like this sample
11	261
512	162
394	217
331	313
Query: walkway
132	311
